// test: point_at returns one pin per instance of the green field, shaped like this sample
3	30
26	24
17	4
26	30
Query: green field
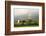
26	23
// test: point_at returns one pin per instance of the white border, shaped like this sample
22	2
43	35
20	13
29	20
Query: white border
25	28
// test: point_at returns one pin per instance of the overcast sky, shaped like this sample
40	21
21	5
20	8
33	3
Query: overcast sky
23	11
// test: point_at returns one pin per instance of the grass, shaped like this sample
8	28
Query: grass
28	23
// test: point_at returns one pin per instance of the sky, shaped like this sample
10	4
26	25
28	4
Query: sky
22	11
26	13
